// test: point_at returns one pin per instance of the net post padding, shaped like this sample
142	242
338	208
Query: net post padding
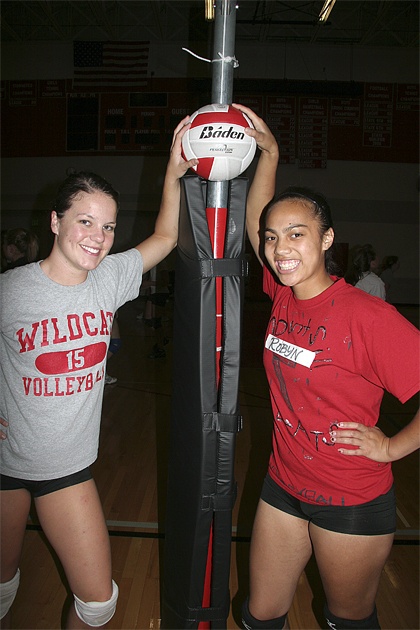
205	413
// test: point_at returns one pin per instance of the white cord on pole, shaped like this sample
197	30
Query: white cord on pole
225	59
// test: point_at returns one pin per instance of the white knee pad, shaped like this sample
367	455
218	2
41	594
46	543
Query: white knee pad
8	592
97	613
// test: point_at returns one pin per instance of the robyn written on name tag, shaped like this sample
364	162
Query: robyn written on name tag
290	351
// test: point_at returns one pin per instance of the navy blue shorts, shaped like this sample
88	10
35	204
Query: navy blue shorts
46	486
373	518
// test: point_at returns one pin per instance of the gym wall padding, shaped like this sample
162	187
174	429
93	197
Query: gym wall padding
205	415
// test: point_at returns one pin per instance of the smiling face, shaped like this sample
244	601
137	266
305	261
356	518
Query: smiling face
83	237
295	248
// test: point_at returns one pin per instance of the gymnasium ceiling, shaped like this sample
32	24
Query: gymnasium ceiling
393	23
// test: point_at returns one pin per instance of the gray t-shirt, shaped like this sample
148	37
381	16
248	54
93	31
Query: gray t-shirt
372	284
53	347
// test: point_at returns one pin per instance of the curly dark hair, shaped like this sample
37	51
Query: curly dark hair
25	241
361	263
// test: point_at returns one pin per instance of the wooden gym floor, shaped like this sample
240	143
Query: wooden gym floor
131	476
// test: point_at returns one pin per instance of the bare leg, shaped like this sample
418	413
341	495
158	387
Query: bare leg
14	510
280	550
350	568
73	521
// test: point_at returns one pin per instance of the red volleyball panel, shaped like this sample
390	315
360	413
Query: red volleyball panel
204	167
233	117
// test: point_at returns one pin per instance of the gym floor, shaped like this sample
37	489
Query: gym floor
131	474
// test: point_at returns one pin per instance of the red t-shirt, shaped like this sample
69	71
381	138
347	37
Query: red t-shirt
329	359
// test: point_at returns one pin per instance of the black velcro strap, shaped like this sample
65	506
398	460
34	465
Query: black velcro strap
217	267
222	422
219	502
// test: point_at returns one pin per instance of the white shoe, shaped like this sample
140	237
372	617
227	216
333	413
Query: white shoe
110	380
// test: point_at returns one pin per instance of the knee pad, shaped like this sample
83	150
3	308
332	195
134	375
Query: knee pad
97	613
114	345
250	623
337	623
8	592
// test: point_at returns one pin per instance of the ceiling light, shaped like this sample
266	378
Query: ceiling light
209	10
326	10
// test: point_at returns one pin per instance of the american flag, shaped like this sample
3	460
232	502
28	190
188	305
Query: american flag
109	64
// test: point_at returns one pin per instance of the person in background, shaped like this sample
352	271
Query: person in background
329	487
390	265
363	272
155	311
19	247
114	347
56	320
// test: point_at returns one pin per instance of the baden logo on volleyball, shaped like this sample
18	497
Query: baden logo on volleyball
218	140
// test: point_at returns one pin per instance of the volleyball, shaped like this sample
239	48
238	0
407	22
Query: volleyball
218	140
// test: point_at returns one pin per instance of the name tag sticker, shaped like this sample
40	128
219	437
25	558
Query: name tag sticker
290	351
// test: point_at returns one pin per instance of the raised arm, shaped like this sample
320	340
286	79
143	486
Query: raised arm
163	240
264	183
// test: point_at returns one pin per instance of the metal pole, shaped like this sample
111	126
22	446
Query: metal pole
223	49
217	217
222	80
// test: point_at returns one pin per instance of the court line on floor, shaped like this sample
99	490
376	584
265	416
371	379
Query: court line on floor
402	533
151	525
404	520
122	533
155	526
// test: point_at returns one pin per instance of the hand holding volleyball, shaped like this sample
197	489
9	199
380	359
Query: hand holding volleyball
218	140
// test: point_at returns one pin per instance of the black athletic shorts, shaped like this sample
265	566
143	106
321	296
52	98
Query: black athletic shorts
368	519
46	486
159	299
